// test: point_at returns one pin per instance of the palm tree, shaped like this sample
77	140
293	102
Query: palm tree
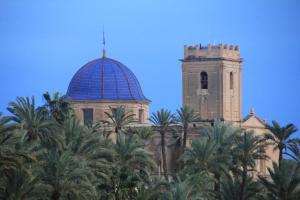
89	146
155	189
295	151
11	157
181	190
133	165
145	134
57	106
185	116
222	136
194	186
65	176
163	119
19	184
231	189
248	148
119	118
5	126
280	137
284	181
202	157
33	121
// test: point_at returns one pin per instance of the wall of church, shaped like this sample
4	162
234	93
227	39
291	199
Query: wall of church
259	129
232	91
100	107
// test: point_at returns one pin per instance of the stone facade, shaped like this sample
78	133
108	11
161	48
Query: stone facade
222	96
140	109
253	123
219	95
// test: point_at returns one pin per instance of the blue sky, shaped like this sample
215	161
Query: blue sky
43	43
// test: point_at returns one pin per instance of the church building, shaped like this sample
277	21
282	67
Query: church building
211	85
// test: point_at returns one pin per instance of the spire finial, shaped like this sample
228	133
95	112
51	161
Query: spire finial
252	112
103	43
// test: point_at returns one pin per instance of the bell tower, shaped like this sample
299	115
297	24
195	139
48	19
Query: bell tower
212	82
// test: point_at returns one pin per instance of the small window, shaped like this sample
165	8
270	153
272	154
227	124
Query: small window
204	80
88	116
231	80
141	115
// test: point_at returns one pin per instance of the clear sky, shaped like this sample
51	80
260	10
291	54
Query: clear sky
43	43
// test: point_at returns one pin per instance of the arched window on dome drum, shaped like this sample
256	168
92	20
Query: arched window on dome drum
88	116
204	80
231	80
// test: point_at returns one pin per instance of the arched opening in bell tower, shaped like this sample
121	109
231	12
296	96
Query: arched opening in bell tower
204	80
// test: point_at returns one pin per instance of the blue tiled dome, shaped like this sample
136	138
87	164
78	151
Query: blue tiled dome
105	79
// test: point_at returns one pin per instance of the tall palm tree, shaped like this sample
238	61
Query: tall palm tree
57	106
119	118
185	116
280	137
31	119
133	165
248	148
222	135
284	181
163	119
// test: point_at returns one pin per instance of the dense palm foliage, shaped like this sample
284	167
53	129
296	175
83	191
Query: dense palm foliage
284	181
45	153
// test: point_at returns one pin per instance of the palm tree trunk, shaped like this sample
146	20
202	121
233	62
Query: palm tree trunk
244	177
185	127
55	195
217	183
163	152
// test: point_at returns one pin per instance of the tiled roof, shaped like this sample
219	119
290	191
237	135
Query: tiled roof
105	79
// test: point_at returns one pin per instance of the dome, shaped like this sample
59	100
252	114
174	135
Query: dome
105	79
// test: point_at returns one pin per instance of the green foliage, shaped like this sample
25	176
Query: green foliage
284	181
119	118
163	119
185	116
280	137
45	153
34	121
58	107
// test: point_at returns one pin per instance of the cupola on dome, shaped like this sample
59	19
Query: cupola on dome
105	79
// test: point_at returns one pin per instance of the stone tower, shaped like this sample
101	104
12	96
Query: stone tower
212	81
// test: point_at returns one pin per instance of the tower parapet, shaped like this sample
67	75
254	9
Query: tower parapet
220	51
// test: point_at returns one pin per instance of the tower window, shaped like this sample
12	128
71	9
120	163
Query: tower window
141	115
87	116
204	80
231	80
